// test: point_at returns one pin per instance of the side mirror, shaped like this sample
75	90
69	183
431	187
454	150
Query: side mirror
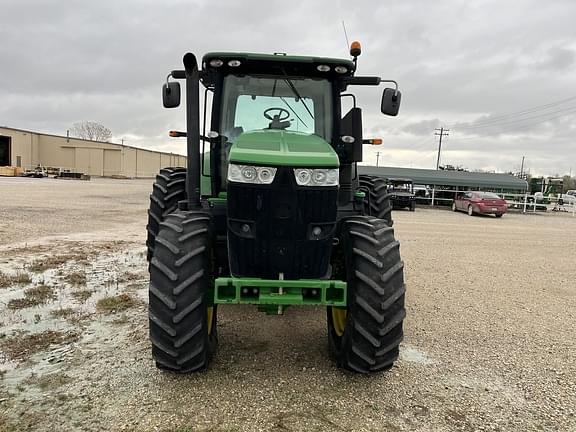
171	94
390	102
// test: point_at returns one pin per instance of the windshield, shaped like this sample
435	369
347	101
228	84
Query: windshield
291	104
252	103
400	186
488	195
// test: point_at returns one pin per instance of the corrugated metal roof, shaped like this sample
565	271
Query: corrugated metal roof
449	178
90	141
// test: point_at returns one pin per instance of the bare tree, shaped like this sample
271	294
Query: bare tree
92	131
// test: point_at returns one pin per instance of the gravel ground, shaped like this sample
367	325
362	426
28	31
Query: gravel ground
489	338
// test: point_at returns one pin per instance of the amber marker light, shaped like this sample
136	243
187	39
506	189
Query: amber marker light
374	141
176	134
355	49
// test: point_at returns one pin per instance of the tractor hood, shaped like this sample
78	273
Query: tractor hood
283	148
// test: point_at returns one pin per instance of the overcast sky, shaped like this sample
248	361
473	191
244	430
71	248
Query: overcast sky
501	75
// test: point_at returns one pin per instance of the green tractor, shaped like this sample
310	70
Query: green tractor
269	210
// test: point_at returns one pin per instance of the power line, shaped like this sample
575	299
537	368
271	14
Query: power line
425	155
517	113
500	131
419	145
566	110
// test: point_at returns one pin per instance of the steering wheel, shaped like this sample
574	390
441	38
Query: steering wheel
280	112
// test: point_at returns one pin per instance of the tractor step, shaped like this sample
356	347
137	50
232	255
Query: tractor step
279	292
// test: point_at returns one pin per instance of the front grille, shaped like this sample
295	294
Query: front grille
271	228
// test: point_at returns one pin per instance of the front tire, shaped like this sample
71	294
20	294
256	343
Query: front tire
182	316
377	202
470	210
454	207
365	336
498	215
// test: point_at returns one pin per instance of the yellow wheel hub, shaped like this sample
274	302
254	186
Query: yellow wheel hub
209	314
339	320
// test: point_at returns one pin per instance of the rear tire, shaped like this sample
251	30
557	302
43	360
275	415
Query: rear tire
168	189
377	202
454	207
498	215
365	337
470	211
182	316
413	206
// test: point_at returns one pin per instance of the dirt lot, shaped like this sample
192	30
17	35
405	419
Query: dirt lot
490	333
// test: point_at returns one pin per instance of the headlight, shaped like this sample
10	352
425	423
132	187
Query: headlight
251	174
316	177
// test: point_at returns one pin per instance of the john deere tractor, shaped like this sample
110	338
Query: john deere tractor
269	210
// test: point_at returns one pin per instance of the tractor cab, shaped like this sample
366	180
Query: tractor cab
269	210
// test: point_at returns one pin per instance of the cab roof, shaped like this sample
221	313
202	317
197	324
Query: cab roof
277	64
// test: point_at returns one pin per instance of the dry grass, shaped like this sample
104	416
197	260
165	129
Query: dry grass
50	262
34	296
55	261
62	313
42	293
21	347
129	277
77	278
81	295
136	286
5	280
20	278
117	303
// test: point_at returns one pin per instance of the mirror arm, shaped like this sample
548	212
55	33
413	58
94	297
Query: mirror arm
393	82
176	74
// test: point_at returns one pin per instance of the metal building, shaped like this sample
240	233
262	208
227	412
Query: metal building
28	149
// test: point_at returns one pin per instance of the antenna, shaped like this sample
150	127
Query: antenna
346	35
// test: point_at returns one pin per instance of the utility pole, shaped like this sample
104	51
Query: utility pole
377	157
441	134
522	168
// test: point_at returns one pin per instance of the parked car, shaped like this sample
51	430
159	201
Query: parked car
480	203
567	199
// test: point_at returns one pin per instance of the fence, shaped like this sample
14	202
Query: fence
523	202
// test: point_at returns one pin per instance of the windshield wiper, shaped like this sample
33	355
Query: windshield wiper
293	112
293	88
286	103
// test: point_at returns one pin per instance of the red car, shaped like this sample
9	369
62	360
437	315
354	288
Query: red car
480	203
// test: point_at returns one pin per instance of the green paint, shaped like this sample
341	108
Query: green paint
205	180
279	292
281	148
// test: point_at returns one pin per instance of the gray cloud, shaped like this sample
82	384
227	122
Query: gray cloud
459	64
